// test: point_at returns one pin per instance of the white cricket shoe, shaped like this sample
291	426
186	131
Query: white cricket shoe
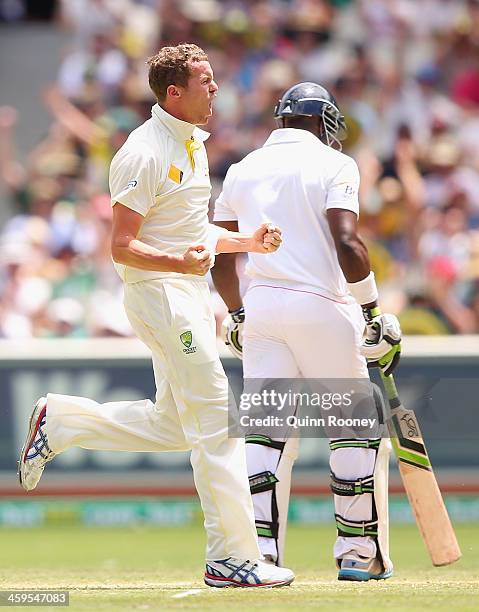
239	573
35	452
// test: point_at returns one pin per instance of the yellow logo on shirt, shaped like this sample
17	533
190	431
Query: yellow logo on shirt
192	146
175	174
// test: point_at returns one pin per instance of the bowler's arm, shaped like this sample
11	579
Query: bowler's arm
266	239
128	250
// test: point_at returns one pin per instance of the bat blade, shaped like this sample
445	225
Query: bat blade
421	487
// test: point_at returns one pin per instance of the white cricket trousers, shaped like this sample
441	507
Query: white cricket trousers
299	334
175	320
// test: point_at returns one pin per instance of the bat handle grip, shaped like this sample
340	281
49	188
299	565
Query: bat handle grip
391	389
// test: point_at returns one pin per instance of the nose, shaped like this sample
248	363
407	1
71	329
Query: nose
214	87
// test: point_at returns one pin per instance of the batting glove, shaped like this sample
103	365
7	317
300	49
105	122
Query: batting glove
232	331
381	344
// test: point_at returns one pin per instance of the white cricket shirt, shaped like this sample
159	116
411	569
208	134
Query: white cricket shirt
162	173
291	181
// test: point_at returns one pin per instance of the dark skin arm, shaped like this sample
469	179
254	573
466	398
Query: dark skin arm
352	252
224	273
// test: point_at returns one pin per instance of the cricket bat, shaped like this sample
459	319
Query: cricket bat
419	480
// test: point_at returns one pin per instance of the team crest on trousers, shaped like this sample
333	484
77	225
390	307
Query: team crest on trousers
187	340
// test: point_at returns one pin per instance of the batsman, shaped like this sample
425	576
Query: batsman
310	311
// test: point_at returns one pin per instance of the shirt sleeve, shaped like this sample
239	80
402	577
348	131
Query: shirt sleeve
214	233
223	208
344	187
134	177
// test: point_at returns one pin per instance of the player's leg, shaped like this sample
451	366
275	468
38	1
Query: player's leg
128	426
361	506
270	463
361	517
200	389
270	458
59	422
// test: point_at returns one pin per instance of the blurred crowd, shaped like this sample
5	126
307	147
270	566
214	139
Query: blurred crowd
405	73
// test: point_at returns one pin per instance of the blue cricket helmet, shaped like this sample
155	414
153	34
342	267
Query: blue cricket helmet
313	100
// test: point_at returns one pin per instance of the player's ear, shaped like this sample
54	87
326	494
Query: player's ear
173	91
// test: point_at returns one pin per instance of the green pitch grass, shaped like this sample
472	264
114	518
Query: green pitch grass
161	569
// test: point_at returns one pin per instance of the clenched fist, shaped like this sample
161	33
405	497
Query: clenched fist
196	260
266	239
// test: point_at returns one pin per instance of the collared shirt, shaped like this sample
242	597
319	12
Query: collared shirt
291	181
162	173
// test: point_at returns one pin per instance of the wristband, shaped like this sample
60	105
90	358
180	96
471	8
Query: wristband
364	291
237	315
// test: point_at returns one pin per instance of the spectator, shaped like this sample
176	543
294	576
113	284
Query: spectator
407	87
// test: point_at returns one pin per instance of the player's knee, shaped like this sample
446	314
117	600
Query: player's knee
352	458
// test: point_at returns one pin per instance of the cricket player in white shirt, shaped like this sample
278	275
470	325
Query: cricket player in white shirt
162	246
310	311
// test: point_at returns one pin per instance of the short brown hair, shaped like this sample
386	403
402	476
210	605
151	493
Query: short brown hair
170	67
